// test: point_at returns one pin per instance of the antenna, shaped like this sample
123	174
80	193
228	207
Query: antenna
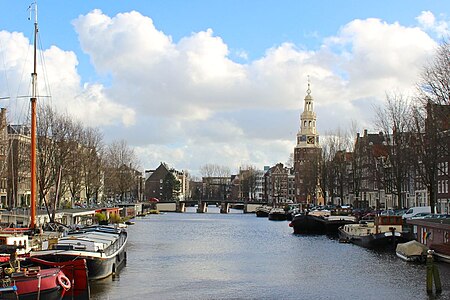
33	8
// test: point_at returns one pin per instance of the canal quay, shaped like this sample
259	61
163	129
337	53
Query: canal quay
240	256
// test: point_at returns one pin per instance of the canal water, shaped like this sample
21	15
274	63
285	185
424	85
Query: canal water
240	256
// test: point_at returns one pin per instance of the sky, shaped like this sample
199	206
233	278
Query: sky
220	82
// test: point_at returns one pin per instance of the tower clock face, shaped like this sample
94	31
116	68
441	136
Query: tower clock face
310	140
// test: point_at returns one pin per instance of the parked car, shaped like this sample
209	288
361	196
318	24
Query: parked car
400	212
387	212
421	215
437	216
415	210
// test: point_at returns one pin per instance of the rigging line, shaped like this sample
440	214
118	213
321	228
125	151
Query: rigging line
22	76
44	68
4	68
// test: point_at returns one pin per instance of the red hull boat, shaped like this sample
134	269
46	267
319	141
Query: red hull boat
34	283
76	272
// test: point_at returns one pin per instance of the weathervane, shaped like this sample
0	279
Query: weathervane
309	84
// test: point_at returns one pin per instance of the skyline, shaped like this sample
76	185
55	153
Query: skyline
196	83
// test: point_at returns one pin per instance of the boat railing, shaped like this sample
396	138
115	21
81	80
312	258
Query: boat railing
114	247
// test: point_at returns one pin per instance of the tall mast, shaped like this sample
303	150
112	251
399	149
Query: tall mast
33	122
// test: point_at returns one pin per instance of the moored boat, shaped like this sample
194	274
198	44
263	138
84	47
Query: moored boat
75	271
263	211
292	211
306	223
412	251
384	232
103	248
319	222
19	279
277	214
332	223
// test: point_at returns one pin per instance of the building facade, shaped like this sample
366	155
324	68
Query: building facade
154	183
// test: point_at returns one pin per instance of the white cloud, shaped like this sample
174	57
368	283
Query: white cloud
428	21
188	103
57	77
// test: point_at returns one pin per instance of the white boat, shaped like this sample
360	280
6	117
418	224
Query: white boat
277	214
263	211
103	248
412	251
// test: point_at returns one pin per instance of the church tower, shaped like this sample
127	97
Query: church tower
307	154
307	136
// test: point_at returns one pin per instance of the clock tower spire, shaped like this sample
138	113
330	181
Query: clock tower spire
307	155
307	135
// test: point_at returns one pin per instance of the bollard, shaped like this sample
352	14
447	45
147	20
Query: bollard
437	279
429	273
433	272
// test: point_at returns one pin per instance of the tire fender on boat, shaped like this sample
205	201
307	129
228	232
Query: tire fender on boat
64	282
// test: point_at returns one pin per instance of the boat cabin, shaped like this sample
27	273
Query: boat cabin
381	224
90	241
431	231
18	239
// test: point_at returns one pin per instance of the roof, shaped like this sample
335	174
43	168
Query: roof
431	223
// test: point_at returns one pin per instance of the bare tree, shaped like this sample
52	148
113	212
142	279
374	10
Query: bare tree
46	148
334	164
91	166
434	85
431	115
120	164
248	181
216	179
394	119
72	153
290	162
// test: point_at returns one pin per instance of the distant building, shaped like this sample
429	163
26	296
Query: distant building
369	178
154	182
19	177
276	183
442	123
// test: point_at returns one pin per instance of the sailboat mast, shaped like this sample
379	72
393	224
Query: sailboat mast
33	125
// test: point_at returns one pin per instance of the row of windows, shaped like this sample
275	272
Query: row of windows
442	186
310	123
443	168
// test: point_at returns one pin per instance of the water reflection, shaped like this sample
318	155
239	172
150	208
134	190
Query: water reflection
239	256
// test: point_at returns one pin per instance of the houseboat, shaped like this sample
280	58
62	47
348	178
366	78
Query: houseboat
384	232
319	222
434	233
103	248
